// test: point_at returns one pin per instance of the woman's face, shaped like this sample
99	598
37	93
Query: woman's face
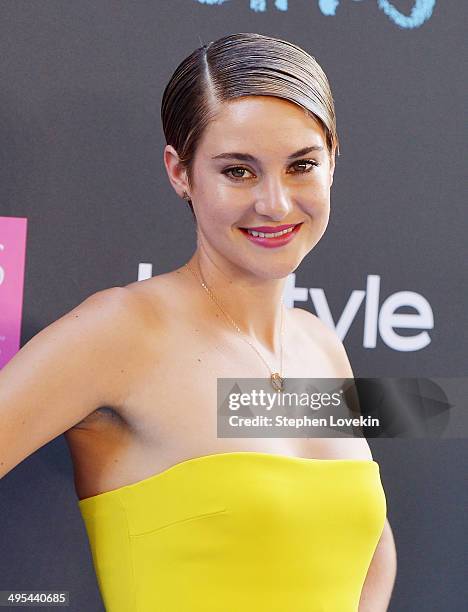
276	185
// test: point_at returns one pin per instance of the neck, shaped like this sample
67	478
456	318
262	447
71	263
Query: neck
255	304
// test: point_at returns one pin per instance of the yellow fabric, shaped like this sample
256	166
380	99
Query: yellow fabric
238	532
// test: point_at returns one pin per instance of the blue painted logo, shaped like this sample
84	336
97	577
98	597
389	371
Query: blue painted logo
421	11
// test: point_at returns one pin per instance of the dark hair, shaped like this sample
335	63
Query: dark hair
242	64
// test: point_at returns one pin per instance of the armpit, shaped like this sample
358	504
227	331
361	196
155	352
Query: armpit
104	415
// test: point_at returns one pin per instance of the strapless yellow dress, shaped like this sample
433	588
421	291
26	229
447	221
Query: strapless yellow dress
238	532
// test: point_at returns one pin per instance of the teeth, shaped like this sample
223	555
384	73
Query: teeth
263	235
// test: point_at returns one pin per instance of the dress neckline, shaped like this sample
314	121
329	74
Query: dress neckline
211	456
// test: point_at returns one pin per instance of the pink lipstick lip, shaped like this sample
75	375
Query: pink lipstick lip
273	242
270	229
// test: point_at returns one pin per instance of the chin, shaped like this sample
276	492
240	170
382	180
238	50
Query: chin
276	271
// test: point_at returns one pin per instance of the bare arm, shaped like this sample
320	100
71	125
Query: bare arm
62	374
380	579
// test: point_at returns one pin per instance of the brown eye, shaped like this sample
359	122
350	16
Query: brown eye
302	162
234	169
241	169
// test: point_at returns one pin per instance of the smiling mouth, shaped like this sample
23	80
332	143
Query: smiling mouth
271	234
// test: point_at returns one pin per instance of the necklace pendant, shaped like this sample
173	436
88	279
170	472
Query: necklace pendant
277	382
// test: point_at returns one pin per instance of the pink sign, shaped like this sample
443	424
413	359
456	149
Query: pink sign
12	263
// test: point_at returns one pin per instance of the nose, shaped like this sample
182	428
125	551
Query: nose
273	199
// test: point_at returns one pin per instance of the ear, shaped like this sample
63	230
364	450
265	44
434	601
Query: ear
332	165
175	170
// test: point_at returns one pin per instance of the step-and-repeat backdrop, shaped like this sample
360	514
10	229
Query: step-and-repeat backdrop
85	203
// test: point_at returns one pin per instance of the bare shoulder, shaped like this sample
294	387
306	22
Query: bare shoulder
353	448
114	321
160	300
157	288
327	338
136	306
114	311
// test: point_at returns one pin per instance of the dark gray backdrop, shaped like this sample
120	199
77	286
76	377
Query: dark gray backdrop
81	157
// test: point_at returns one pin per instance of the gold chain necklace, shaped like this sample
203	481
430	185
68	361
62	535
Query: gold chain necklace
277	381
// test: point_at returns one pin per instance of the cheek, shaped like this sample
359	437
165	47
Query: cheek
218	210
222	205
317	198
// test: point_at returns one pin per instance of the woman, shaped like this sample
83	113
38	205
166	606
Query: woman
178	519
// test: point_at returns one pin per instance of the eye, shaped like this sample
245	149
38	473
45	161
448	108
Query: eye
235	178
297	163
306	161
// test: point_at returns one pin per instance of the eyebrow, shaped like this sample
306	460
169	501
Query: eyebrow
248	157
